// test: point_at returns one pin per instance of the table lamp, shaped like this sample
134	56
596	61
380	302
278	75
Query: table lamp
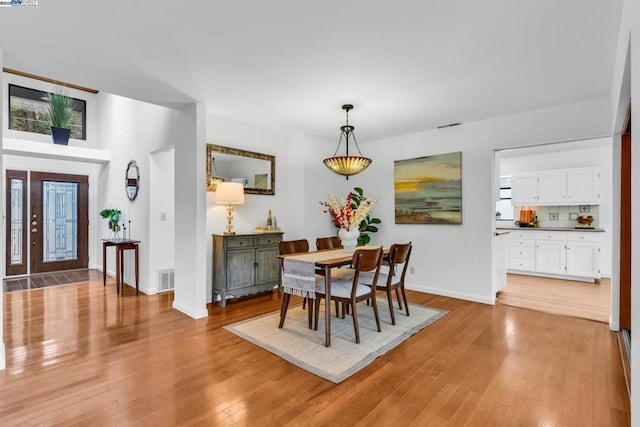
231	193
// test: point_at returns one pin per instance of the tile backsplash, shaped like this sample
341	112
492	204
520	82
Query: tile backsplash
562	216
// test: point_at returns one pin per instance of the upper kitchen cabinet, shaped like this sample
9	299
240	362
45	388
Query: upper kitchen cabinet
524	189
583	186
578	186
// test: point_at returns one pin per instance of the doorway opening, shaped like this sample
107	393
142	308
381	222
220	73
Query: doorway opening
551	268
47	222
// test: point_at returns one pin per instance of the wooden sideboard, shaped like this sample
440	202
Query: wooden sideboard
245	264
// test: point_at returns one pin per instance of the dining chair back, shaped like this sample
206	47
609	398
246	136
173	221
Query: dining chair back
351	292
288	247
399	255
332	242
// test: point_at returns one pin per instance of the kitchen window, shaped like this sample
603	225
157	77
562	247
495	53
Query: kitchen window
504	204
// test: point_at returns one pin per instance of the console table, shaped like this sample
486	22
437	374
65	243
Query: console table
245	264
121	246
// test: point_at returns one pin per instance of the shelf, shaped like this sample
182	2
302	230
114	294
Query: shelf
22	147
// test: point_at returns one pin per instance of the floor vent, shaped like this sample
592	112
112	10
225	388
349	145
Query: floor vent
165	280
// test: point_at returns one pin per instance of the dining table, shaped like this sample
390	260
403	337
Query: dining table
326	260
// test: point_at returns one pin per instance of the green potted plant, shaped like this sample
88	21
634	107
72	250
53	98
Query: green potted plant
367	225
113	215
60	112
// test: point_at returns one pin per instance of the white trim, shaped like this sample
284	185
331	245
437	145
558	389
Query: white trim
198	314
450	294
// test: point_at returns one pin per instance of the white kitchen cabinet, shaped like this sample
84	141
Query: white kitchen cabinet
578	186
550	257
570	255
524	189
552	187
583	186
521	251
583	255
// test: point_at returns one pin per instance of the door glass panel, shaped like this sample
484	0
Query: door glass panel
17	231
60	222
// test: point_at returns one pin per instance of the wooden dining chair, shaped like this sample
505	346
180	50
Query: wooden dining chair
288	247
332	242
351	292
391	281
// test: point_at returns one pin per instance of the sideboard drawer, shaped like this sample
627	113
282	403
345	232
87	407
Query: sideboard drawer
269	240
243	242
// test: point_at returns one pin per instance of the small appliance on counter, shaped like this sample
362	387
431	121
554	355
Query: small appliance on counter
584	221
528	218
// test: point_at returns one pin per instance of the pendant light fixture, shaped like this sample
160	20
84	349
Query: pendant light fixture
347	165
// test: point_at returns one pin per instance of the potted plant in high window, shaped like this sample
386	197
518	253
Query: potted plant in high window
60	112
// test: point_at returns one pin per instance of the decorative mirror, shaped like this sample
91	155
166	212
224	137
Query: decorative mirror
255	171
132	180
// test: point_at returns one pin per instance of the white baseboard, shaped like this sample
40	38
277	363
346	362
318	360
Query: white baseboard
451	294
614	326
197	314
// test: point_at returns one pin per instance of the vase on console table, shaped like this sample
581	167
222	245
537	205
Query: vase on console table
348	239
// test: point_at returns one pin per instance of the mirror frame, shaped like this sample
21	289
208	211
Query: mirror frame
213	148
130	165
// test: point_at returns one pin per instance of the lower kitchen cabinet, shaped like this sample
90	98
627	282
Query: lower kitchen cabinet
567	255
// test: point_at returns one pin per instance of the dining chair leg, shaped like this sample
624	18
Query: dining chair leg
283	309
338	310
391	309
304	303
316	312
355	321
404	296
398	297
375	312
311	313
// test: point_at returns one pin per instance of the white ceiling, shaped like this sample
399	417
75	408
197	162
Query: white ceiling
407	66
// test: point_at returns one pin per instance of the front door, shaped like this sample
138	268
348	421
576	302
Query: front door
55	225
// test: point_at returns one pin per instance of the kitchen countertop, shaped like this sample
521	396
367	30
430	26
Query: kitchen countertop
587	230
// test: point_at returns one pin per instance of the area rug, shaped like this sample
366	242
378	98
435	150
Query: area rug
303	347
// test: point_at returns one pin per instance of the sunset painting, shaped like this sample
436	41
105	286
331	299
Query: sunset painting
428	190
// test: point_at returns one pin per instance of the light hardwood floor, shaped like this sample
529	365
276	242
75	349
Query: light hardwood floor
566	297
81	355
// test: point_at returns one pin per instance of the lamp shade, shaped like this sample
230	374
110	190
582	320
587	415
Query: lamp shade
230	193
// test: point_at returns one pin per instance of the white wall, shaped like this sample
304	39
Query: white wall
451	260
131	130
287	205
575	157
161	203
190	290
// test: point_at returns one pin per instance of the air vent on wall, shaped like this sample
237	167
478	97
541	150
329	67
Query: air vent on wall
165	280
450	125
